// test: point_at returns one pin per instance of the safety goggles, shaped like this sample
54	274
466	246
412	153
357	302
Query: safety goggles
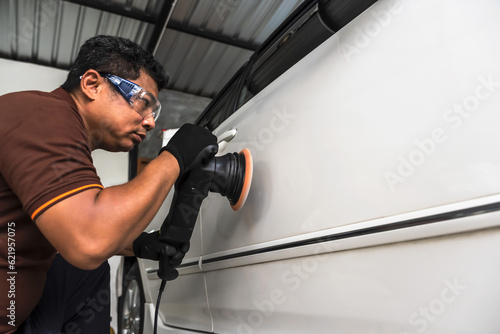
145	103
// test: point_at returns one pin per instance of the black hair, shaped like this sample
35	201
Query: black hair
114	55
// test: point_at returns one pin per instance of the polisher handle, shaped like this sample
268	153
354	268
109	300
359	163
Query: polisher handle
178	226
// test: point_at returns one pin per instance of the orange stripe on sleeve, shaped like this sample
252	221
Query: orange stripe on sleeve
62	196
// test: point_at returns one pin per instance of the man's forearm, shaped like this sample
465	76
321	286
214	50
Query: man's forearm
94	225
127	251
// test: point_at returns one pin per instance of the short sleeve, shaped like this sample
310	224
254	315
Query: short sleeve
45	151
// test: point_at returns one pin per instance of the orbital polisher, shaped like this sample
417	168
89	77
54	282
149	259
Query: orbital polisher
229	175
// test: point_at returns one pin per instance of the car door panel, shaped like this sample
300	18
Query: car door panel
323	137
361	130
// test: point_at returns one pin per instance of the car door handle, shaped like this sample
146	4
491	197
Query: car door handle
227	136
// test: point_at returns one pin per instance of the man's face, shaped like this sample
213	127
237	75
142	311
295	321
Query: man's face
118	126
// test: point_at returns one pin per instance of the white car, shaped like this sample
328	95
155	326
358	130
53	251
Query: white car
375	201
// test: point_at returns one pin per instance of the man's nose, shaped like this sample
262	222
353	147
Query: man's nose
148	123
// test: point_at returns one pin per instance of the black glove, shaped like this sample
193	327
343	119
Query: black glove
191	145
149	246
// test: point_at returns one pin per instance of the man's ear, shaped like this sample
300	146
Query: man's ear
91	84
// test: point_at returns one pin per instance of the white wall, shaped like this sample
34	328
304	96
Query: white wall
17	76
112	168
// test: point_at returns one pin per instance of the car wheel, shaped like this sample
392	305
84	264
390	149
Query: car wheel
131	303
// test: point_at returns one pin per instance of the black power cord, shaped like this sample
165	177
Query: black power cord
160	292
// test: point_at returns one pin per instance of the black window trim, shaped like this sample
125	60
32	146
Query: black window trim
243	71
341	12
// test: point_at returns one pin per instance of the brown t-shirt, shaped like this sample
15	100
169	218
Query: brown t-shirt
45	157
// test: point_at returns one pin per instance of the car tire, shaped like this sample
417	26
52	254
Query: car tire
131	303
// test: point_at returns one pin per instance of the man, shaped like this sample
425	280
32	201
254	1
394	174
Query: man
51	199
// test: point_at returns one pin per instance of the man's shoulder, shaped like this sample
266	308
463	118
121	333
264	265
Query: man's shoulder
33	103
28	95
24	101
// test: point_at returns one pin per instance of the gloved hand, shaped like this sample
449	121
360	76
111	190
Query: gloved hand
149	246
191	145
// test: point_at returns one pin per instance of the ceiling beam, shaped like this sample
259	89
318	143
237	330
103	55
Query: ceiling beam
212	36
161	22
118	10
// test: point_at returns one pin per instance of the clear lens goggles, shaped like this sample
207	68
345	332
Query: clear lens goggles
145	103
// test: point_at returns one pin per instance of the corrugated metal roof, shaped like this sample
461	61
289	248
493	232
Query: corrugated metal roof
204	42
200	65
197	65
50	32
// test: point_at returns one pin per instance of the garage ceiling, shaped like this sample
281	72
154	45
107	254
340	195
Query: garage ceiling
201	43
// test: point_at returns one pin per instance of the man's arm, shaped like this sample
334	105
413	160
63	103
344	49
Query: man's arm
89	227
127	251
